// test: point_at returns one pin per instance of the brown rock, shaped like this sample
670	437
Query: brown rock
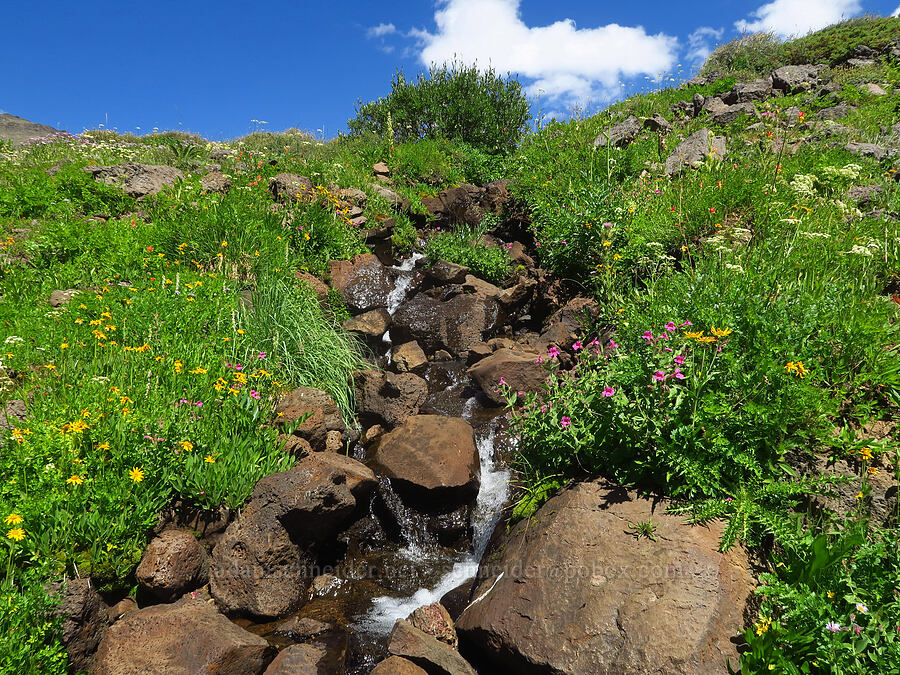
444	272
408	357
184	638
215	182
658	123
454	325
137	180
397	665
432	458
371	324
318	287
324	415
84	622
392	198
623	604
363	282
306	659
381	169
435	621
731	114
695	149
121	608
173	562
426	651
387	398
59	298
291	187
620	134
567	324
519	371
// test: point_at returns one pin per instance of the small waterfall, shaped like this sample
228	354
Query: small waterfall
491	498
404	279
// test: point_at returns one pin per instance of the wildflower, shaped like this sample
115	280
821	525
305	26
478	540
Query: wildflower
75	479
830	594
762	625
859	495
670	326
178	367
612	344
539	359
553	352
16	534
706	339
679	360
64	345
693	335
187	446
678	375
861	608
254	394
720	332
136	474
565	421
833	626
648	336
659	376
608	391
209	459
262	355
796	367
866	453
240	331
103	446
13	519
577	345
19	434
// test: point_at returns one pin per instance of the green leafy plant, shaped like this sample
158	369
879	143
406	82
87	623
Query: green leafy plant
464	246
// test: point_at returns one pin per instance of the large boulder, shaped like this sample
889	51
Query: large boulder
322	413
574	591
878	152
291	187
432	460
695	149
387	398
363	282
455	325
567	324
304	659
215	182
426	650
467	204
84	622
745	92
264	562
791	79
408	357
137	180
434	619
369	325
518	371
173	562
730	114
397	665
184	638
620	134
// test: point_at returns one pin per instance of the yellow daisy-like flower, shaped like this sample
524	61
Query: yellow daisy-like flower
693	335
16	534
103	446
13	519
210	459
75	479
187	446
136	474
720	332
706	338
240	331
64	345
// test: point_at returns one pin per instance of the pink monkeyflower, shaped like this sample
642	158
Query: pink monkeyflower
502	380
199	404
553	352
670	326
262	355
577	345
608	391
565	421
254	394
659	376
678	375
686	323
668	349
539	359
612	344
648	336
679	360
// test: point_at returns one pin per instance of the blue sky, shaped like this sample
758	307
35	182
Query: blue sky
213	67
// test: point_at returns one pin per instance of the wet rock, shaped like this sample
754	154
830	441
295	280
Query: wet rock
408	357
835	112
363	282
84	621
454	325
315	284
431	459
434	620
308	659
791	79
266	559
694	149
456	600
59	298
291	187
629	594
745	92
620	134
137	180
426	651
444	272
387	398
324	415
372	324
478	352
302	628
173	563
729	115
397	665
518	371
658	123
215	182
184	638
879	152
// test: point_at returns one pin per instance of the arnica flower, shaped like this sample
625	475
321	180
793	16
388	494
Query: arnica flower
210	459
577	345
720	332
16	534
833	626
565	421
74	479
659	376
608	391
136	474
13	519
187	446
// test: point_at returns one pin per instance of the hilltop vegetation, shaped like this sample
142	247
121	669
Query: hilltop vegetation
742	358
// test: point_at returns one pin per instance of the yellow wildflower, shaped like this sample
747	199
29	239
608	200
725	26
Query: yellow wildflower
178	367
13	519
720	332
75	479
136	474
187	446
706	339
210	459
762	625
103	446
866	453
240	331
16	534
693	335
199	370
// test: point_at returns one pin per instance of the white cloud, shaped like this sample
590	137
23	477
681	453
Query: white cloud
381	30
798	17
699	46
896	12
563	62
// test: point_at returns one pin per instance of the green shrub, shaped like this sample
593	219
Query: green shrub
746	57
465	246
454	101
29	631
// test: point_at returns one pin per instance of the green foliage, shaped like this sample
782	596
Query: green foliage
29	632
455	101
465	246
749	56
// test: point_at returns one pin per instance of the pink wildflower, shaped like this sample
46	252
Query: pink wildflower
678	375
670	326
659	376
608	391
577	345
254	394
553	352
679	360
648	336
612	344
565	421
